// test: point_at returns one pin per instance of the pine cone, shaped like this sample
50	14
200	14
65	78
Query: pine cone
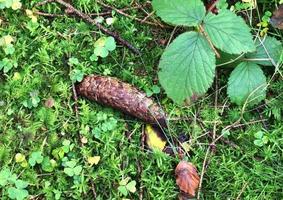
122	96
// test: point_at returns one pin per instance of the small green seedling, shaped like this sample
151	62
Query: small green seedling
102	48
261	139
33	101
71	168
126	186
35	158
15	187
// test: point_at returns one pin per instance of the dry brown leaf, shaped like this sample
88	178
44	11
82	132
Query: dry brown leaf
187	178
49	103
277	18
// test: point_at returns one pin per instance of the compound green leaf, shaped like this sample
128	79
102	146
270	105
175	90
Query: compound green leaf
187	67
180	12
110	44
229	32
21	184
268	47
247	83
36	157
18	194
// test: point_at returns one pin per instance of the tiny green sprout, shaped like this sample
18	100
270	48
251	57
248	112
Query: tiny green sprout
73	61
264	23
48	165
126	186
103	46
33	101
7	64
15	187
76	75
9	49
71	168
261	139
35	158
153	90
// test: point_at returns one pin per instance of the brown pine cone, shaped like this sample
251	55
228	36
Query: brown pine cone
122	96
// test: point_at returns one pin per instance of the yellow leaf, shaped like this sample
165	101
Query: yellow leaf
84	140
17	76
16	5
33	18
20	158
93	160
186	146
24	163
6	40
154	139
31	15
124	181
53	163
29	12
100	42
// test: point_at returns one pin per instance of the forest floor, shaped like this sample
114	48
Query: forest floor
52	151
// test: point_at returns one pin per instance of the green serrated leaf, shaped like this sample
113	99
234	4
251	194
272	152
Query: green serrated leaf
180	12
267	46
187	67
247	83
229	32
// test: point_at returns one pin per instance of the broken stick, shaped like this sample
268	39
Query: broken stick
88	19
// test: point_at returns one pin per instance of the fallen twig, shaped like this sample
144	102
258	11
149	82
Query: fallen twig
143	21
75	97
87	18
93	189
48	14
43	3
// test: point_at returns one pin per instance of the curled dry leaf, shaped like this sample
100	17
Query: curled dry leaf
277	18
187	178
122	96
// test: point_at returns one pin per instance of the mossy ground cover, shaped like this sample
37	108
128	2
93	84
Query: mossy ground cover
53	145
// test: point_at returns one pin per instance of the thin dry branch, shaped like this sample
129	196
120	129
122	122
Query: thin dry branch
121	12
88	19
